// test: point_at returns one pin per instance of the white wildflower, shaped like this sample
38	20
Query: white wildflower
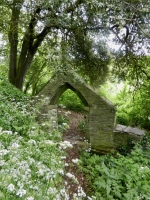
65	144
143	168
50	175
63	157
91	198
4	152
29	198
64	194
8	132
19	184
21	192
15	145
70	175
81	193
49	142
46	98
51	191
2	162
31	160
40	172
11	187
61	172
32	142
75	160
34	187
1	146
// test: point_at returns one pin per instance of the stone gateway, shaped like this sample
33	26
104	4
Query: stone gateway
101	129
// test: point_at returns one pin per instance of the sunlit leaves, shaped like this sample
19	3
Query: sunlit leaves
119	177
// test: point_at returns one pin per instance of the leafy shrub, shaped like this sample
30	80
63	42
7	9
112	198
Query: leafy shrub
119	177
134	107
133	104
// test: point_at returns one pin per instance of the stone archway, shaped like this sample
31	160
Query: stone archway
100	119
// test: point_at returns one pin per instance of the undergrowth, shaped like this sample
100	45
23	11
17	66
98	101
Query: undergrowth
32	154
32	158
119	177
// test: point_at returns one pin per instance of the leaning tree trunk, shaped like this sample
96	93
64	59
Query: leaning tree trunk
13	41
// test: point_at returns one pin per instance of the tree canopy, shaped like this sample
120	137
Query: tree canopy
74	34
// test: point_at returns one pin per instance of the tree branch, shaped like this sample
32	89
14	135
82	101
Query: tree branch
144	72
147	35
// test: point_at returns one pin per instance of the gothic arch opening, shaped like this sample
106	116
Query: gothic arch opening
61	89
71	106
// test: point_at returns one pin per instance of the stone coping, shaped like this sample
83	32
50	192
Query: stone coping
128	129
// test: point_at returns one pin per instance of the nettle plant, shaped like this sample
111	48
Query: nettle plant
118	176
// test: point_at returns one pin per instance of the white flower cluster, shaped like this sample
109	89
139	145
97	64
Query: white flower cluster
75	160
45	172
65	145
24	162
33	167
33	142
4	152
11	187
21	192
71	176
144	168
50	142
80	194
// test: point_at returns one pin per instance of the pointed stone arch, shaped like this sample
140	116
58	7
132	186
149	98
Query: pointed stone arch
62	88
101	113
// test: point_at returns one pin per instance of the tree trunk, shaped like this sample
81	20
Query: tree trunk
21	72
13	40
20	61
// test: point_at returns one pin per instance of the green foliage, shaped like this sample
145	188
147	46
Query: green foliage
71	101
134	106
81	126
73	36
133	103
132	68
63	122
62	119
32	159
119	177
14	113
